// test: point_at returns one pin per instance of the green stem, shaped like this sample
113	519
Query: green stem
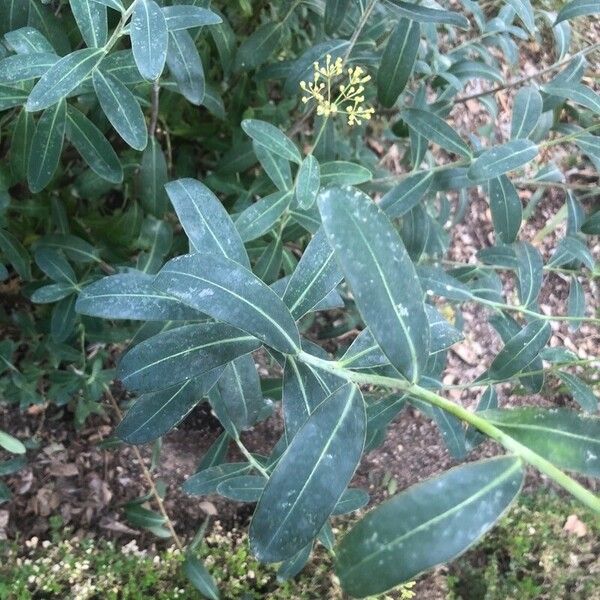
480	423
116	34
251	458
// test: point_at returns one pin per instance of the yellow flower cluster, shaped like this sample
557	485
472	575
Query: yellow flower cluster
350	96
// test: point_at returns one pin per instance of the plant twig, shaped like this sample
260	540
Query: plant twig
155	94
148	477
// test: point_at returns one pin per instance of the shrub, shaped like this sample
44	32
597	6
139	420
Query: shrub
299	234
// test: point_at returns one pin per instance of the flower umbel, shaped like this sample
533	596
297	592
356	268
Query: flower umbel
350	96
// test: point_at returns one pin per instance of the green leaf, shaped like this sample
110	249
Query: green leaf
200	578
530	273
91	20
62	322
341	172
488	400
398	60
153	177
501	159
28	40
93	146
245	488
186	67
74	247
520	350
229	292
576	8
255	50
315	276
352	499
237	398
46	146
272	138
131	295
576	92
527	110
435	129
53	264
423	14
205	220
565	438
575	214
524	11
177	355
403	197
153	415
121	108
442	335
311	475
51	293
114	4
156	238
258	218
582	393
506	208
149	38
377	267
591	226
216	454
276	167
575	302
428	524
570	249
22	67
11	97
435	281
15	253
20	144
207	480
308	181
335	11
63	77
11	444
268	265
143	517
189	16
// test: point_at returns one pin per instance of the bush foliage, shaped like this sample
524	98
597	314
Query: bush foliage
199	172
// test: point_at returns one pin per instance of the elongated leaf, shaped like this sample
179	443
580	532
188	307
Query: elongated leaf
335	11
341	172
238	399
506	208
576	302
488	400
524	11
63	77
200	578
402	537
153	177
582	393
22	67
20	145
122	65
311	475
398	61
272	138
186	67
53	264
149	38
27	40
576	8
51	293
121	108
93	146
576	92
46	146
377	267
403	197
501	159
424	14
571	249
276	167
352	499
442	334
434	280
177	355
154	414
520	351
315	276
529	273
207	480
308	182
527	110
205	220
591	226
91	20
62	322
259	46
11	444
435	129
189	16
565	438
227	291
131	295
258	218
16	254
245	488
